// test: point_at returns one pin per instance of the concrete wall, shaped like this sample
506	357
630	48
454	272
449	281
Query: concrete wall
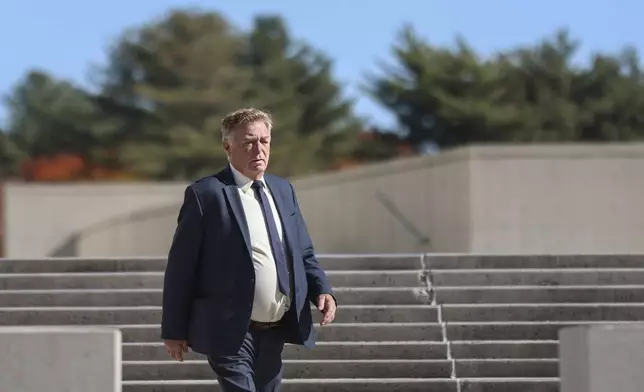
2	224
601	358
60	359
412	205
557	199
60	219
483	199
346	213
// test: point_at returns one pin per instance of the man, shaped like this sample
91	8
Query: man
241	269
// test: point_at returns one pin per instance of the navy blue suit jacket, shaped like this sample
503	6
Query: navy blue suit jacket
209	281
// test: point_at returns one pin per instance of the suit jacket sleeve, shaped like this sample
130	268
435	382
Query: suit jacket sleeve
316	278
183	259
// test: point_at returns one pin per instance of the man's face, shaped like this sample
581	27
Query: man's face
248	149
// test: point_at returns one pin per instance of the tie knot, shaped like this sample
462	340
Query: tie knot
257	184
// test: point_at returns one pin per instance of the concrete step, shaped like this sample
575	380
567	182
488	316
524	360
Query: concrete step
334	332
356	368
155	351
309	385
513	330
76	265
468	261
538	277
364	385
550	384
152	297
353	279
345	296
148	315
342	262
81	280
543	312
382	295
329	262
494	349
369	368
484	368
81	297
70	315
371	262
122	280
538	294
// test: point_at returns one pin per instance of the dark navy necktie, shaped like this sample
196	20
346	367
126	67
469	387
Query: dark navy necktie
274	238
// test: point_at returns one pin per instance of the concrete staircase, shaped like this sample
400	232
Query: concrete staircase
406	323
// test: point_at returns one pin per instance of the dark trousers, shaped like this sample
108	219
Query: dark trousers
257	367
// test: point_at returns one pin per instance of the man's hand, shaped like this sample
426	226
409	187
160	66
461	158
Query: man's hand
176	348
326	305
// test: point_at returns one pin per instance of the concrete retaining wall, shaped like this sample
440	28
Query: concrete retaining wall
537	199
602	358
60	359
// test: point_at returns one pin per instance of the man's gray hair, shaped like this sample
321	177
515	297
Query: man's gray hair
241	117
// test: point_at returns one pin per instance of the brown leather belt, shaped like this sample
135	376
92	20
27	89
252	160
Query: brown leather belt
263	326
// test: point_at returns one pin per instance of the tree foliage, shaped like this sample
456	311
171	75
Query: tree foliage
155	111
453	96
50	118
316	126
186	71
165	89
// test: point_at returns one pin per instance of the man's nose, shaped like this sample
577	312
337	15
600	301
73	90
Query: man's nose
256	150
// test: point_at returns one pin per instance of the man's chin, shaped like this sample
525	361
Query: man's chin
257	167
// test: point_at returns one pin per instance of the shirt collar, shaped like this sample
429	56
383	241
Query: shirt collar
243	182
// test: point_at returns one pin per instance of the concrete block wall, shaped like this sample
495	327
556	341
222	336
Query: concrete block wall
440	323
508	199
602	358
60	359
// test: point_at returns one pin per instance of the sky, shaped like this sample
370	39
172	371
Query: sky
69	37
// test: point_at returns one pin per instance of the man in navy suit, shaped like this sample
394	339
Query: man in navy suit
241	269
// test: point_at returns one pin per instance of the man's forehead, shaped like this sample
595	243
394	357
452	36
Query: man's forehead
253	130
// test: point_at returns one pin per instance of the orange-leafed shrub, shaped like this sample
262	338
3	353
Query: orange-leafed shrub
405	149
67	167
61	167
346	164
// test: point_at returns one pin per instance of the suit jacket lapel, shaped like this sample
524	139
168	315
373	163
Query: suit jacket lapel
232	194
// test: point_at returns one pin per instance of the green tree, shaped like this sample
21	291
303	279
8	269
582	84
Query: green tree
316	127
47	117
54	122
167	84
170	82
453	96
10	157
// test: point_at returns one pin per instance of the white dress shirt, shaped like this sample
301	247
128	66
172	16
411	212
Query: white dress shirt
269	304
